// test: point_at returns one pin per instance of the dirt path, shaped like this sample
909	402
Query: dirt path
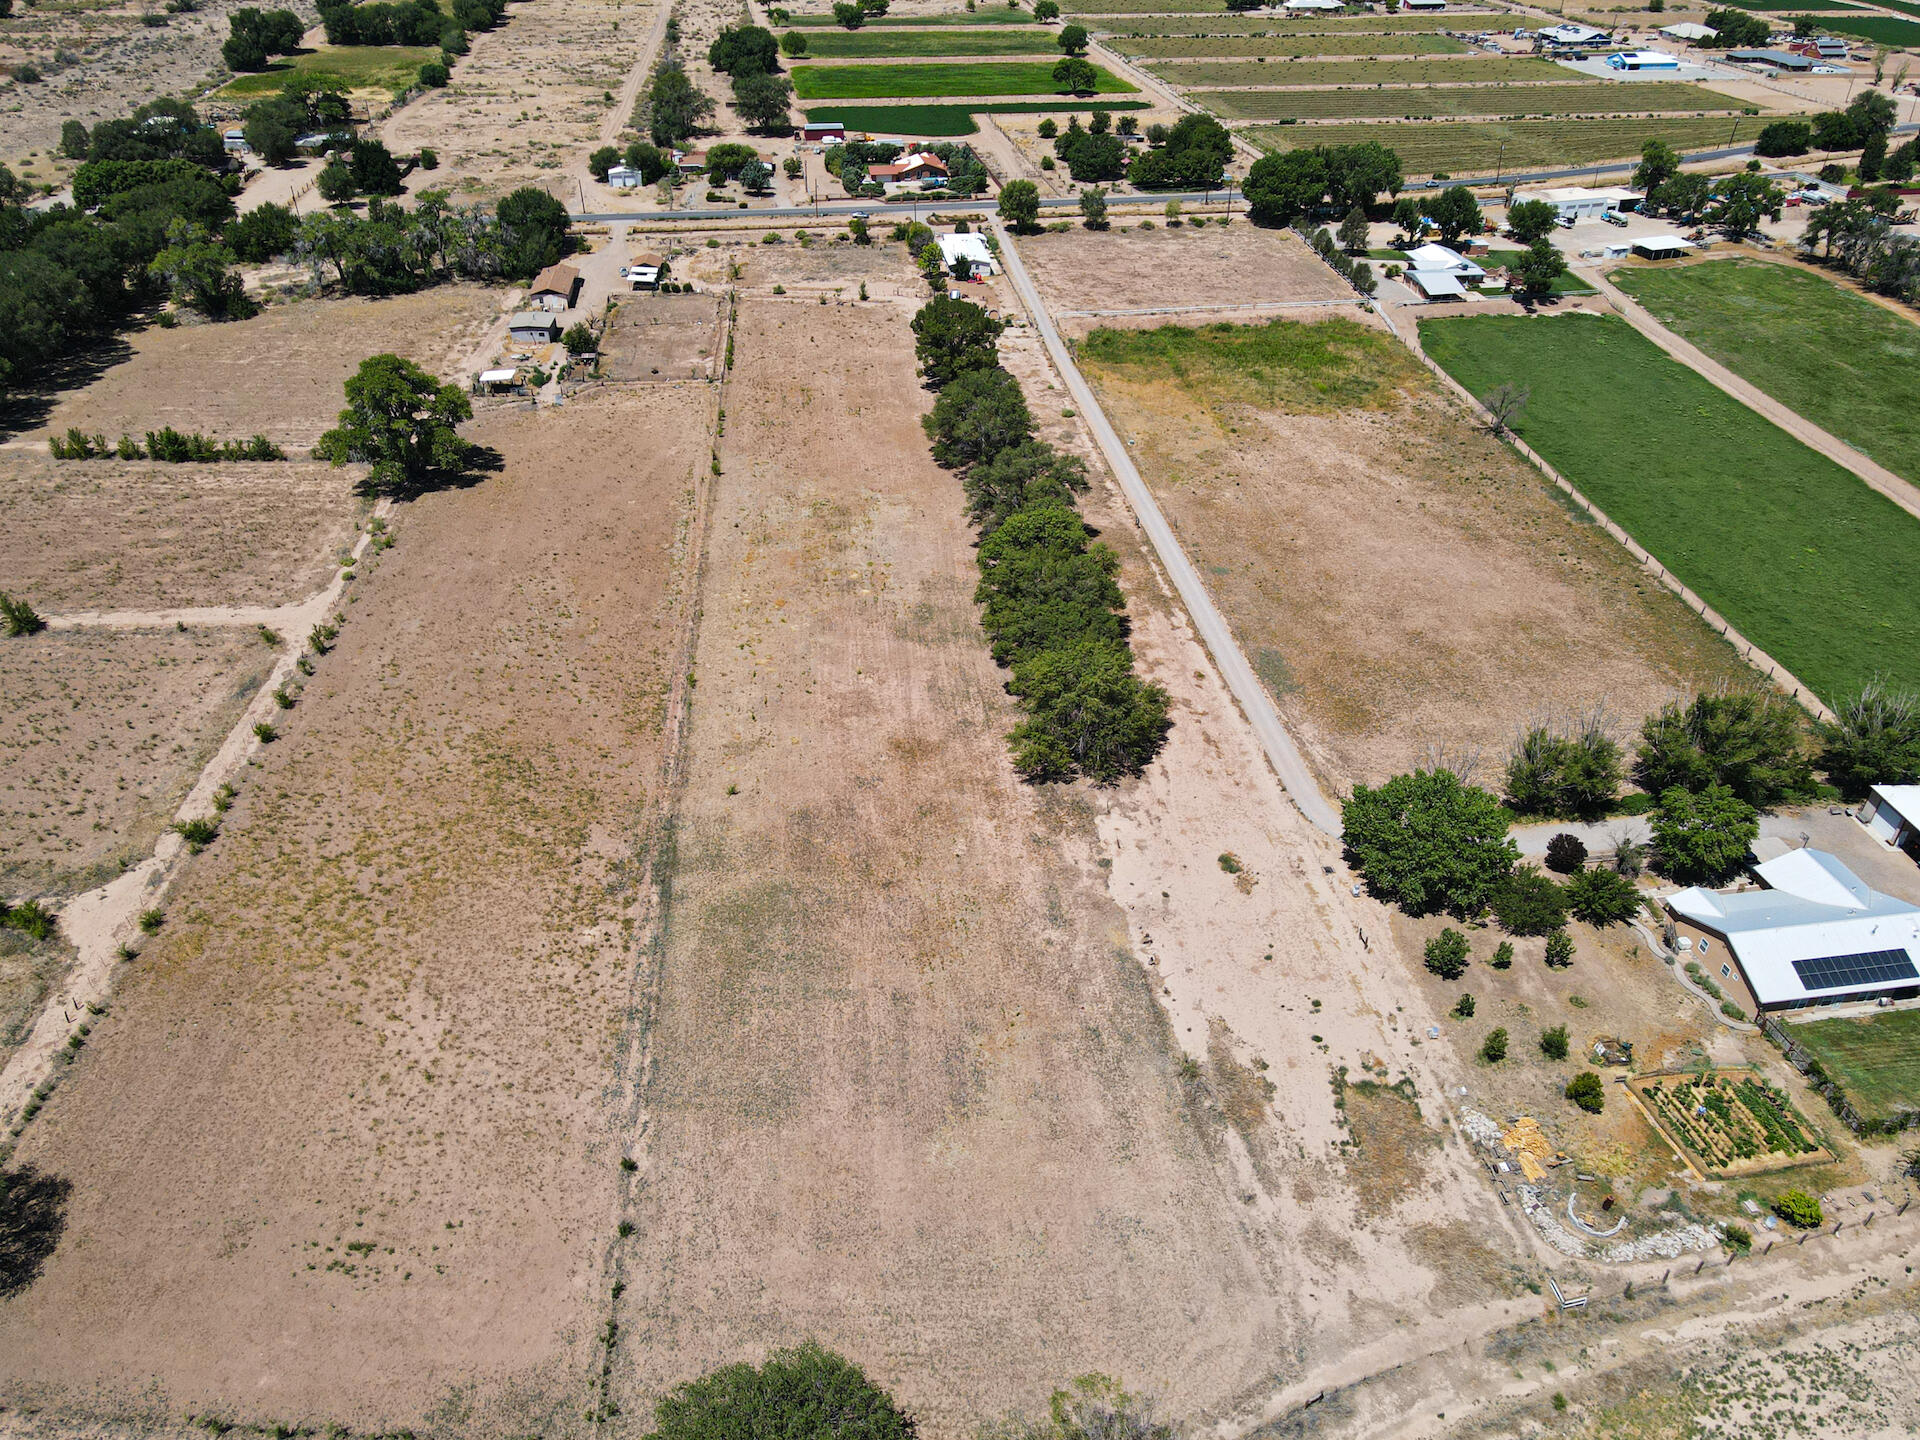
628	94
101	921
1247	690
1903	493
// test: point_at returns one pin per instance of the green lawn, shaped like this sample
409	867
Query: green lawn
1881	29
879	82
943	121
1469	71
1600	97
1876	1060
1272	25
1802	557
858	45
945	17
1285	47
356	67
1475	147
1850	366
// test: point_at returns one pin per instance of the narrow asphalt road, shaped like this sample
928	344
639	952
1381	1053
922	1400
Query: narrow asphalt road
1246	687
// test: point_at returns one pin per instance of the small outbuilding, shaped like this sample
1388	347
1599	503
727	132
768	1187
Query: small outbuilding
1309	7
555	288
1662	247
1892	814
827	130
1689	31
1424	6
646	271
623	177
534	327
500	382
1644	61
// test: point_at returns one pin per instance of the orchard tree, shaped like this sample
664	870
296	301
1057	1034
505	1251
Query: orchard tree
1446	954
1429	842
1703	838
952	337
1020	203
400	421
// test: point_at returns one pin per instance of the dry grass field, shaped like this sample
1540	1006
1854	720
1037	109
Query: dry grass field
117	535
346	1111
666	337
278	374
1128	268
106	732
527	104
1399	580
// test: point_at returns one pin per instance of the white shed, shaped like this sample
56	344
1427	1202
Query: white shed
1892	814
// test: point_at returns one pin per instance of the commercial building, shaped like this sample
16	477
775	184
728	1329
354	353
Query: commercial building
1578	202
1772	59
1644	61
1817	935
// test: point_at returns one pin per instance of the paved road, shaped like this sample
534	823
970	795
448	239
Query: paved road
1246	687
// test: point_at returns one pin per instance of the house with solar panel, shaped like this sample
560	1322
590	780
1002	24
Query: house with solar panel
1817	934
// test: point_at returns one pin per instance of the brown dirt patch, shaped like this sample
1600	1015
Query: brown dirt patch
107	731
1400	581
910	1088
1386	1162
278	374
346	1111
99	534
1129	268
662	337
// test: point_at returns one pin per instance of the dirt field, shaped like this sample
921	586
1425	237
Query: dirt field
527	103
1129	268
108	534
346	1109
669	337
1400	581
278	374
107	731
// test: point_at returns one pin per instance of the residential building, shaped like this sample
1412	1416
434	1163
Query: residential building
554	288
646	271
1568	36
533	327
972	249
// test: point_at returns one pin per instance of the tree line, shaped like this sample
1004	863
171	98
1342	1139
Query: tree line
1052	609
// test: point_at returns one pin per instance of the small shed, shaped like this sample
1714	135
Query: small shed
554	288
1437	284
500	382
1892	814
623	177
1662	247
534	327
823	130
235	141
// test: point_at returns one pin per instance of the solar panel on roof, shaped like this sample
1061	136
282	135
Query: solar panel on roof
1841	972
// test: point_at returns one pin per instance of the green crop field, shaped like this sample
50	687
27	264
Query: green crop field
356	67
1273	27
1853	367
1803	558
1141	7
1598	98
1881	29
1466	148
880	82
945	17
1767	6
1905	7
1287	48
945	121
859	45
1875	1060
1470	71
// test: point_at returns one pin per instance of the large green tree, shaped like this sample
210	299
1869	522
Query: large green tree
803	1394
1428	842
743	48
1749	740
1020	204
400	421
1703	838
951	337
1087	713
533	232
1455	214
1282	188
978	415
1532	220
1074	76
1873	739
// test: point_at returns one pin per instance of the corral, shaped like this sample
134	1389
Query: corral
1476	146
116	535
662	337
1766	531
403	967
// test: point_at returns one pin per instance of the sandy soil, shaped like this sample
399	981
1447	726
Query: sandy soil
1129	268
97	535
278	374
669	337
345	1111
1401	582
106	734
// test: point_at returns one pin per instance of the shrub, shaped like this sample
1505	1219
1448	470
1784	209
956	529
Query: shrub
1428	842
1559	950
198	833
1494	1048
1230	863
1586	1091
1447	954
1463	1007
434	75
1568	776
264	732
1565	853
1798	1209
1874	739
151	920
1528	903
1502	956
20	617
1602	897
29	917
1738	1237
1553	1043
802	1394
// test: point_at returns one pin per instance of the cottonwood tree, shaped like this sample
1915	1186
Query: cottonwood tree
1353	232
1873	739
1020	204
1093	208
1749	740
1703	838
1075	76
1531	220
952	337
807	1393
1072	39
399	420
1429	842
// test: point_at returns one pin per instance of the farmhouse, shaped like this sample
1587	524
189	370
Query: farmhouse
1639	60
1567	36
554	288
1577	202
919	170
1817	935
970	249
1775	59
534	327
1892	814
692	162
1423	5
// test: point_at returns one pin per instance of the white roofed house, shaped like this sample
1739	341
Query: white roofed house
1306	7
1567	35
973	250
1817	935
1441	274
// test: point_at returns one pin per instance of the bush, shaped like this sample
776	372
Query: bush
197	833
1799	1209
1586	1091
1874	739
1564	776
151	920
1602	897
1447	954
1463	1007
1528	903
1494	1049
1566	853
29	917
802	1394
1428	842
1559	950
1553	1043
1750	741
1738	1237
20	617
1502	958
434	75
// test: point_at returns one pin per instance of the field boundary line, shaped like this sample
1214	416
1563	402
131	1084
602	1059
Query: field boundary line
1209	624
1751	653
1775	412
